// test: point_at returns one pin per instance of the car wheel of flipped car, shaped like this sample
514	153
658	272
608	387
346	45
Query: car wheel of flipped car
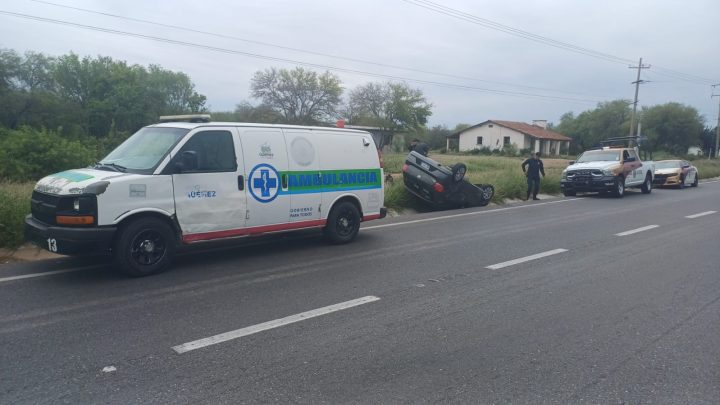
646	188
458	172
695	182
144	246
568	193
488	192
619	191
343	223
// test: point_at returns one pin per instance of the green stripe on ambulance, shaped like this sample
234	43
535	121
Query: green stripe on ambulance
332	180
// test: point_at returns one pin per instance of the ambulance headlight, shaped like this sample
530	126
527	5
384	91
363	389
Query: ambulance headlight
97	188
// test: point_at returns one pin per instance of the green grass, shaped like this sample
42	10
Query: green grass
707	168
15	206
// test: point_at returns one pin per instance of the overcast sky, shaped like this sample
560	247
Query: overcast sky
459	59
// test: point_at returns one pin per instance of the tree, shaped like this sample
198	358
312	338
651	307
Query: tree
390	105
607	120
301	96
707	141
437	136
673	127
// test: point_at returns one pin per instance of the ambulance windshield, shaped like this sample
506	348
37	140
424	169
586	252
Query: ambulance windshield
142	152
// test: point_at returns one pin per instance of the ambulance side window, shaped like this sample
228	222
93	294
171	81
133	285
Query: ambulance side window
214	150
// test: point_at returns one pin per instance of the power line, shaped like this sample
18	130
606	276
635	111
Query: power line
296	62
451	12
438	8
327	55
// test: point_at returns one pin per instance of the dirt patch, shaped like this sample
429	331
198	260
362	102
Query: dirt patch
25	253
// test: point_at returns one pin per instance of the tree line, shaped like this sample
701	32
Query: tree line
67	111
670	127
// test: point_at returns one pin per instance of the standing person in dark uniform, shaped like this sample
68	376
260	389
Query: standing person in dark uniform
534	169
419	147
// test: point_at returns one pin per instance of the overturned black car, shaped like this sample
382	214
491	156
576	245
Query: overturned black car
443	186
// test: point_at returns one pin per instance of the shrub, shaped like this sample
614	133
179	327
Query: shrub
29	154
15	206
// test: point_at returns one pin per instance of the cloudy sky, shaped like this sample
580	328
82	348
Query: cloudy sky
474	60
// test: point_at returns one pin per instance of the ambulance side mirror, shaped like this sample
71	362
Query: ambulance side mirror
188	162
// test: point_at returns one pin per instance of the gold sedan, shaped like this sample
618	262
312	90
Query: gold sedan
675	173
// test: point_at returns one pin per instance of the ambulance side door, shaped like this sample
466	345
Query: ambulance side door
304	184
266	165
208	183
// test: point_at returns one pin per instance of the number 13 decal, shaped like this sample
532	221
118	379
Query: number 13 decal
52	245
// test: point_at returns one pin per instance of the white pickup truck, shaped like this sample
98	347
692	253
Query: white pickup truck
609	169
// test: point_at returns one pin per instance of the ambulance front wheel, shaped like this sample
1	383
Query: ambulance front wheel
145	246
343	223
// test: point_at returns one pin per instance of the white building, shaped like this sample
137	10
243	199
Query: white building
495	135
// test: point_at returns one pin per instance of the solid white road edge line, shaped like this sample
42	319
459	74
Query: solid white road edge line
224	337
415	221
702	214
526	259
632	231
47	273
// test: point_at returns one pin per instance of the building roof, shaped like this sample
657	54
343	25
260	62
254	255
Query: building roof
527	129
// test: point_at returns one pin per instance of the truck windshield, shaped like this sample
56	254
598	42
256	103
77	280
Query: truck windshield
143	151
600	156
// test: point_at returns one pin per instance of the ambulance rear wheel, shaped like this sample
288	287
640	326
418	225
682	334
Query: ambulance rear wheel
144	247
343	223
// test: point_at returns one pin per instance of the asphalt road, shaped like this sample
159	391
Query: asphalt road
541	302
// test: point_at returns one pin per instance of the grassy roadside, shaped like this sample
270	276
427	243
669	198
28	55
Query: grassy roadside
15	207
502	172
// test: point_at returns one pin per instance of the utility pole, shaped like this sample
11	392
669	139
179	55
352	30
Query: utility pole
637	83
717	128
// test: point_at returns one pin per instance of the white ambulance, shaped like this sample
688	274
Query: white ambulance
181	182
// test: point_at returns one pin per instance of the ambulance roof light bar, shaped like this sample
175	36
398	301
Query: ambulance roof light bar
185	118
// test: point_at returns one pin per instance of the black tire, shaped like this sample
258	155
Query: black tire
458	172
646	187
681	185
488	192
619	190
144	247
343	223
568	193
696	181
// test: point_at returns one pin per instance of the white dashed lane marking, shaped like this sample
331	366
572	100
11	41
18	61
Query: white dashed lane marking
526	259
238	333
702	214
632	231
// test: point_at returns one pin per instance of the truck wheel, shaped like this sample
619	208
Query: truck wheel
695	183
569	193
619	191
458	172
646	188
145	246
343	223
